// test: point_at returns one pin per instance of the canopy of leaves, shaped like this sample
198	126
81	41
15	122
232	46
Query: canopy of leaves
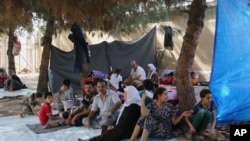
15	14
122	15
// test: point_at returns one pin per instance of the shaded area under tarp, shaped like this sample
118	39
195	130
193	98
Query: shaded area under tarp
103	56
230	71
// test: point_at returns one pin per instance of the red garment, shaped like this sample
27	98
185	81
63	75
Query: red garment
91	79
167	80
44	113
3	77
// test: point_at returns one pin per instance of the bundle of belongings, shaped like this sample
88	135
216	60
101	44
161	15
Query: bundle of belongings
13	82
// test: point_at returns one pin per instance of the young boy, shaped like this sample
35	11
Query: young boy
64	96
204	112
47	120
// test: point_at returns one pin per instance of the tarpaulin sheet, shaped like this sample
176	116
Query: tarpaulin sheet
230	75
103	56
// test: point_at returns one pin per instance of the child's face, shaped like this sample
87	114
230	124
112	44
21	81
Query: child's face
65	87
38	99
207	99
49	99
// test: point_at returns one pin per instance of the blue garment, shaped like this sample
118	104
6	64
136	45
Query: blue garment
147	100
198	107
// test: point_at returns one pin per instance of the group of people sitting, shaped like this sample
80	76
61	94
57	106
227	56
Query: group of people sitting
143	111
10	81
168	78
142	115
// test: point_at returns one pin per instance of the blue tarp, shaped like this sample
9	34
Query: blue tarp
230	78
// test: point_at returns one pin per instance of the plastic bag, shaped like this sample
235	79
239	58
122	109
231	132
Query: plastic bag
16	48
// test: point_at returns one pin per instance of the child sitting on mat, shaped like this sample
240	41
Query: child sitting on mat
29	103
47	120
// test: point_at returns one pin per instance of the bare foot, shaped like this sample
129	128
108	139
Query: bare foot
46	126
188	135
204	134
21	115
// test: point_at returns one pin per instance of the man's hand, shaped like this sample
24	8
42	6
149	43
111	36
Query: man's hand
74	118
110	127
67	121
109	115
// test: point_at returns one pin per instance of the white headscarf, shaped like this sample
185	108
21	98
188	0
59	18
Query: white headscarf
133	97
152	67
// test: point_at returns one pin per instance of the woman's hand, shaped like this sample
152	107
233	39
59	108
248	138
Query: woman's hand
144	96
187	113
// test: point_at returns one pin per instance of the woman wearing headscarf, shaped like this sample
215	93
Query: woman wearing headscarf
152	74
130	112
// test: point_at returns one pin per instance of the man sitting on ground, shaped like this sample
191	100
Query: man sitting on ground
137	74
107	103
75	118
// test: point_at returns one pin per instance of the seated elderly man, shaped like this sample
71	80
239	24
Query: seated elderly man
137	74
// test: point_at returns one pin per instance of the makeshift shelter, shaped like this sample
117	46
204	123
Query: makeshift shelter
103	56
230	71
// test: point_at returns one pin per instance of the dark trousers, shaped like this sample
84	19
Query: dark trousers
115	134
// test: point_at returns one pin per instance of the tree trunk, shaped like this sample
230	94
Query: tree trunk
42	85
11	57
184	85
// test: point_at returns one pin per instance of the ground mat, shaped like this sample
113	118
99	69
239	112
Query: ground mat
37	128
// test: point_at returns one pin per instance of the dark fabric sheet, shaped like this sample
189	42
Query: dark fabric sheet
37	128
62	67
103	56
